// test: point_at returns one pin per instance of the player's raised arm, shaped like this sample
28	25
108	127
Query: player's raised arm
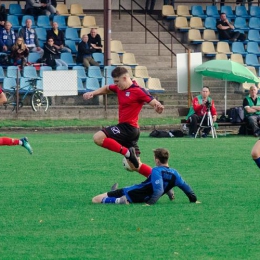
158	107
101	91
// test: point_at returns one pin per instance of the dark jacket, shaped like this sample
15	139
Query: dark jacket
50	54
84	50
96	40
58	39
22	33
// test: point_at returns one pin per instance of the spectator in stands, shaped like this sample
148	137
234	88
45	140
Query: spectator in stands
225	30
52	55
30	38
251	106
168	2
94	40
243	2
19	52
85	51
3	17
151	8
7	37
39	7
200	106
58	37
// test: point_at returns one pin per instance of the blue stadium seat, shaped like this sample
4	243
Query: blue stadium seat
95	72
30	72
2	74
13	19
72	34
13	72
254	23
9	83
81	88
72	45
15	9
253	48
43	21
107	81
242	12
33	57
67	57
253	35
25	84
211	23
99	57
81	73
41	34
197	10
238	47
61	20
25	17
255	11
241	24
44	68
92	84
252	60
211	10
62	68
108	70
227	9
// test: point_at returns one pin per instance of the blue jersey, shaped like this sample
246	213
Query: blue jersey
161	180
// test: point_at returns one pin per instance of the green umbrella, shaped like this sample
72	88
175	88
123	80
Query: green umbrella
227	70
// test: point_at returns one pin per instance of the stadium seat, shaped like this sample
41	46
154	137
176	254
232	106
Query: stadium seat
98	57
13	72
41	33
140	82
183	10
61	20
25	17
89	22
252	60
72	46
238	47
181	24
253	48
223	47
81	73
16	9
107	81
72	34
2	74
74	22
210	23
33	57
254	23
77	9
252	69
108	70
92	84
13	19
67	57
241	12
240	23
9	83
208	49
30	72
211	10
210	36
194	36
129	59
141	72
227	9
221	56
253	35
237	58
154	85
43	21
117	46
95	72
62	10
196	23
62	68
24	84
81	88
168	12
197	11
44	68
115	59
255	11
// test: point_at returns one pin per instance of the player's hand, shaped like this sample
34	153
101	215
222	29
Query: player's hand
159	108
88	95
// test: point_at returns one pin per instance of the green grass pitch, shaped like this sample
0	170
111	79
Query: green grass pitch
46	210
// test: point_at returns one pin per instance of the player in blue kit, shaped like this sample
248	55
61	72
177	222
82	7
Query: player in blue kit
161	180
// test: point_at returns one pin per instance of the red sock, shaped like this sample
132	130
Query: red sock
114	146
145	170
8	141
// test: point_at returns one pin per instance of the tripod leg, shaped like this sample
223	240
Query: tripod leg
200	126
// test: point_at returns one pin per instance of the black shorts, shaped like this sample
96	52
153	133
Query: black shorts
116	193
124	134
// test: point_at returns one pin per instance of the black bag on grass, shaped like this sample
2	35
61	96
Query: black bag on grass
161	133
236	114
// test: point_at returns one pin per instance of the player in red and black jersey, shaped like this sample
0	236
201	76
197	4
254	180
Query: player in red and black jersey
10	141
123	137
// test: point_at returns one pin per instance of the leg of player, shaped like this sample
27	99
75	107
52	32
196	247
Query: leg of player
104	199
100	139
255	153
23	142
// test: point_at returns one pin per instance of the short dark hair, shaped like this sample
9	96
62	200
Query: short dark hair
206	87
118	72
162	155
222	13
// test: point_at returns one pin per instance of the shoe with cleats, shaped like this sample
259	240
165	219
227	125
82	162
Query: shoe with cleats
26	145
132	158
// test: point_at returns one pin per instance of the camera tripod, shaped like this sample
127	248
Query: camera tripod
210	124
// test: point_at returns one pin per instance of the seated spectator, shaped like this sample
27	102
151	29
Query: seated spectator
19	52
200	105
7	37
39	7
3	17
58	37
85	53
226	30
30	38
251	106
94	40
52	55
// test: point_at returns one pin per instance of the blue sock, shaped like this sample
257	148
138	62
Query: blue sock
257	161
109	200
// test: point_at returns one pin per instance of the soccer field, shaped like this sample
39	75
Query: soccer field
46	210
